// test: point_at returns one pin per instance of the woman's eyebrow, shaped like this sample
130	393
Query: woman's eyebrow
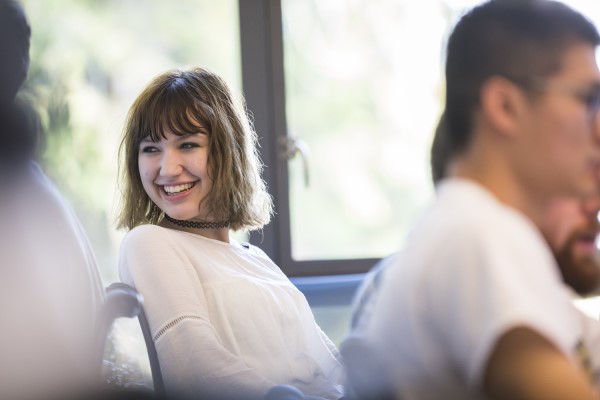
186	136
198	129
202	129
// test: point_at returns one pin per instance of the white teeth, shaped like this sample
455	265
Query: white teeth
178	188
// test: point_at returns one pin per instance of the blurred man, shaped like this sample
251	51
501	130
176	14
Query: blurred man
474	305
571	227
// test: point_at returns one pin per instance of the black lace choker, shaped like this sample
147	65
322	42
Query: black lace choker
198	224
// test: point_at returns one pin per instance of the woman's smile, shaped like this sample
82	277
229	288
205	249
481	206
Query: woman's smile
172	190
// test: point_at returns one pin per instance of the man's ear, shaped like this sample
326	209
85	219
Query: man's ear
502	104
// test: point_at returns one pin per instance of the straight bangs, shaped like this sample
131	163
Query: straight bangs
176	109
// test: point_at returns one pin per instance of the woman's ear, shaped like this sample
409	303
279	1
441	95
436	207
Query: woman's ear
502	105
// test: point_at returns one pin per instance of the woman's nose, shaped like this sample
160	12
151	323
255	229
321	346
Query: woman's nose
170	164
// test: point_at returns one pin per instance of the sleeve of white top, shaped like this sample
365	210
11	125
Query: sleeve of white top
330	345
191	355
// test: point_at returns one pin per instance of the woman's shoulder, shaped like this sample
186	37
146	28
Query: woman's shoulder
147	230
145	235
258	255
253	250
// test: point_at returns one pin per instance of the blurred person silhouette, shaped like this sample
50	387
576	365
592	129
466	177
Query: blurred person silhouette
226	321
571	228
474	305
50	289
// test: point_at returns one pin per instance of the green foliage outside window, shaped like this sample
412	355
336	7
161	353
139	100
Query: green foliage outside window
89	60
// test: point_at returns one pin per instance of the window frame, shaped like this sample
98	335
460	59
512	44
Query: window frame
263	83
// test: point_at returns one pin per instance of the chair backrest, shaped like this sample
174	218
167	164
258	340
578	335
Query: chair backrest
159	387
120	301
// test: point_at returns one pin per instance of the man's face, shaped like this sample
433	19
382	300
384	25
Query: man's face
571	228
559	142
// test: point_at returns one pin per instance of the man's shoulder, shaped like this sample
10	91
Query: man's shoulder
466	206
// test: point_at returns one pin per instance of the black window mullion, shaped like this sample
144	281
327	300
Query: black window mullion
263	85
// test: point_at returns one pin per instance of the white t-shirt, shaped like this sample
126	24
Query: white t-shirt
471	270
225	319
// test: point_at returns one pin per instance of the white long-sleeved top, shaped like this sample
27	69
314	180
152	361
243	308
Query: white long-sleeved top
224	318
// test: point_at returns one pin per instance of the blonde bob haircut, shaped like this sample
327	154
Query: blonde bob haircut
180	100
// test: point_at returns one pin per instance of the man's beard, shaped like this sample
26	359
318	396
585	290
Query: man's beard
580	271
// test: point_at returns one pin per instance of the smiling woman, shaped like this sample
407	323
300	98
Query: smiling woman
186	127
225	320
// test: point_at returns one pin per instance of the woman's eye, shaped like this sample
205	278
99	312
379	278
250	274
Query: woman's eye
189	145
148	149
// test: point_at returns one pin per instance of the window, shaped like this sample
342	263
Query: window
364	94
357	86
358	82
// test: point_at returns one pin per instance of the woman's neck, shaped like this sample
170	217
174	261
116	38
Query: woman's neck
210	231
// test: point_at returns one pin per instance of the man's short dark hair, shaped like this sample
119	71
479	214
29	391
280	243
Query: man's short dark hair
509	38
440	153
